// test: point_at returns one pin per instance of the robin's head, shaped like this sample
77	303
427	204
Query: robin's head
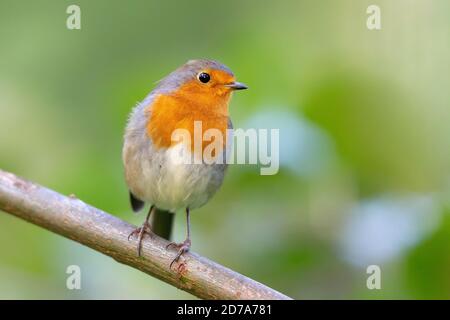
201	77
200	90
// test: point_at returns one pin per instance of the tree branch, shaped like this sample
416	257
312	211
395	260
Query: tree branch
76	220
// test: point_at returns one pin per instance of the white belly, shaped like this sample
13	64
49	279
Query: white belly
163	179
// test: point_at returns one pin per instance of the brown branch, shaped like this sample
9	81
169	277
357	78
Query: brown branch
76	220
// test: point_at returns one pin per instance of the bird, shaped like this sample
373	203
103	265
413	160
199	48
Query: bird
198	91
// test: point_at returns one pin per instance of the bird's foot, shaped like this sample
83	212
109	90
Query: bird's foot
140	232
182	248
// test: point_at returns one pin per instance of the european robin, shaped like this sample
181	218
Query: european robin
200	90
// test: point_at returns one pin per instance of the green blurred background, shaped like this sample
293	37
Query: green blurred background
365	149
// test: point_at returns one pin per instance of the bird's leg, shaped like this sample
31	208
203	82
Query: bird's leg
186	244
145	228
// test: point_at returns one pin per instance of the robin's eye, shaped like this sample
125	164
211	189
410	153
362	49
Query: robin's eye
204	77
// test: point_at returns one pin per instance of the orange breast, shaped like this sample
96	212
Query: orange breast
181	108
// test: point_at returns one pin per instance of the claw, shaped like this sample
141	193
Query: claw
173	244
183	248
141	231
134	232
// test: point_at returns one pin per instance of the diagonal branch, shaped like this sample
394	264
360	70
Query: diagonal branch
76	220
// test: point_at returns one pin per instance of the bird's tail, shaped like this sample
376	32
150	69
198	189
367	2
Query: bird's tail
161	223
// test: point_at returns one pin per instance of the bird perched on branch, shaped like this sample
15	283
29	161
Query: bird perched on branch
198	91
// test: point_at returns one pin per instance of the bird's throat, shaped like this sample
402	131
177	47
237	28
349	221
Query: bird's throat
176	111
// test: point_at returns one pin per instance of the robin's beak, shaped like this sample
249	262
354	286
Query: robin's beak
236	86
